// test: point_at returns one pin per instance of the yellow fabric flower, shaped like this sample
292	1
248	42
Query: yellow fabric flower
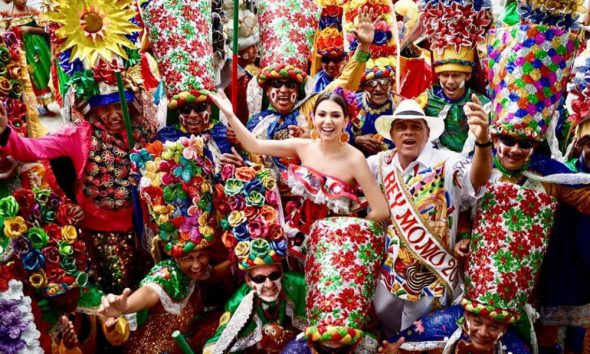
203	219
14	227
69	234
236	218
151	173
242	250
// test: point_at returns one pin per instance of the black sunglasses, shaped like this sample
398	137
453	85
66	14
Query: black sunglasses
290	84
384	81
322	349
197	107
523	144
327	60
259	279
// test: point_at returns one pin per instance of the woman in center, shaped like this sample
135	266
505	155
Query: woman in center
332	172
342	251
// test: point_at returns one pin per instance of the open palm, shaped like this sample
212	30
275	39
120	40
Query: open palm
365	29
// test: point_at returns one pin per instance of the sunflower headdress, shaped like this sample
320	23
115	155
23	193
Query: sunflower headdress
95	38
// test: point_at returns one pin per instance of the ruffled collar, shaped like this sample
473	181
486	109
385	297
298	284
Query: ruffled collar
340	197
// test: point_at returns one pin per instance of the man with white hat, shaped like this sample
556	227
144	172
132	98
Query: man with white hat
425	189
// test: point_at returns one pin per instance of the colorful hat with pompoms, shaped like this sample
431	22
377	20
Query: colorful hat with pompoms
330	40
341	271
176	186
377	69
287	31
182	40
39	225
246	198
529	65
382	49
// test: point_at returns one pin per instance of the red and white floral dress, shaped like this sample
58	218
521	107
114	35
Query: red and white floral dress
322	196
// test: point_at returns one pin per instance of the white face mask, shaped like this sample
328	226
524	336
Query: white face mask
258	288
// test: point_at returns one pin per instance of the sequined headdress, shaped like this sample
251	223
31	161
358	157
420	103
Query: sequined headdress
341	272
287	31
529	65
181	36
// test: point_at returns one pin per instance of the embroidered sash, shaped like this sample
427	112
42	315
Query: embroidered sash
409	226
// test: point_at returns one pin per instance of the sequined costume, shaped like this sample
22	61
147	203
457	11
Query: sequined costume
437	104
288	311
180	302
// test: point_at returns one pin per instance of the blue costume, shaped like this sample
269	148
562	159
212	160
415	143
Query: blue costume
437	329
364	123
322	80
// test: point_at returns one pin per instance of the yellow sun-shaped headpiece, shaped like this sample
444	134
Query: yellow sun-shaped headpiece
94	28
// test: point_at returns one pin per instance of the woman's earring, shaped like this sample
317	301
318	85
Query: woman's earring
344	138
314	134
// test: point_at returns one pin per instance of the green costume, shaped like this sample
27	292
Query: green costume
250	325
38	54
436	104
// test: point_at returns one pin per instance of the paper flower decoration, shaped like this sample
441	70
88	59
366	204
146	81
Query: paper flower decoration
457	25
176	186
46	245
249	206
94	28
18	333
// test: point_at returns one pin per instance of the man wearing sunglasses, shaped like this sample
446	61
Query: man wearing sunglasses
196	119
264	314
331	68
374	100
